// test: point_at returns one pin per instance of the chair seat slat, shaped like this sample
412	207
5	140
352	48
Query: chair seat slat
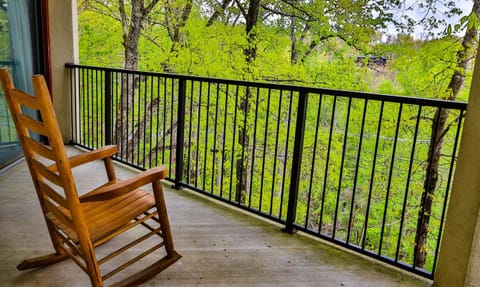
107	217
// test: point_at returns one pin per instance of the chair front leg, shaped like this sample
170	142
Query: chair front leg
109	168
163	217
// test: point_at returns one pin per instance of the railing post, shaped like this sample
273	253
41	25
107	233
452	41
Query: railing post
296	162
180	133
108	107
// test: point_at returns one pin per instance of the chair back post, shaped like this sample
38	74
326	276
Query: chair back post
48	116
7	83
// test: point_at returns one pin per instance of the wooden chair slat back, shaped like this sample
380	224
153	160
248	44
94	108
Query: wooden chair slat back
40	149
52	194
43	170
29	123
55	186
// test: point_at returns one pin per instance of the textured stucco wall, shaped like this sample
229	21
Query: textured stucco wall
473	274
460	247
63	49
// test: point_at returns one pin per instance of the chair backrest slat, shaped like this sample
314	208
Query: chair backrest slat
31	124
52	194
62	216
40	149
47	173
26	100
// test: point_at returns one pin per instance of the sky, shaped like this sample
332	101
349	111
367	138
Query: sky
419	32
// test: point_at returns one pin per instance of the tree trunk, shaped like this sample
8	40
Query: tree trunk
435	149
250	53
251	21
242	156
293	37
132	28
464	55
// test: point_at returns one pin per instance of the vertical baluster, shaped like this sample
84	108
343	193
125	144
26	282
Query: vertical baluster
180	132
252	171
279	120
108	107
357	166
340	177
233	142
409	176
296	162
207	120
287	139
190	116
199	117
327	162
372	176
265	148
214	152
224	139
389	183
314	153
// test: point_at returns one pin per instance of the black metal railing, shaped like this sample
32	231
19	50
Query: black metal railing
352	168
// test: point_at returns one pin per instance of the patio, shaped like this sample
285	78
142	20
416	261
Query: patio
221	246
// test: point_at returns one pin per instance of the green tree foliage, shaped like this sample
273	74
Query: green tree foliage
4	37
100	40
5	122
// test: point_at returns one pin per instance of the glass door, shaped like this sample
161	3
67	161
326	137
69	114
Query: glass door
20	50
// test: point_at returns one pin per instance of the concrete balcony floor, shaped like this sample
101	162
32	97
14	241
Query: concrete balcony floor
221	246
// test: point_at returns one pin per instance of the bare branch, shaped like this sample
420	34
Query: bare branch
244	13
285	14
123	19
150	6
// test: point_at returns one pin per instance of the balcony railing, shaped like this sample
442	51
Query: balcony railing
359	170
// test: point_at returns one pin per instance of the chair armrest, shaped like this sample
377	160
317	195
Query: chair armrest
90	156
121	187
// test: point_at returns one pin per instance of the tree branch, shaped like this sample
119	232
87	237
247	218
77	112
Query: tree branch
148	9
244	13
123	20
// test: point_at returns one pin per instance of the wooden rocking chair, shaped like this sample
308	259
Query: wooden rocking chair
78	224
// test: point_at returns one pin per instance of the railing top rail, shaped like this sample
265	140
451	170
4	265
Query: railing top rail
294	88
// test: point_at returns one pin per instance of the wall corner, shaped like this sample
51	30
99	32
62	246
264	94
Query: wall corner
63	24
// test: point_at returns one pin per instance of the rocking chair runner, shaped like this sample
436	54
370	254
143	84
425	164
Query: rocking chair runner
78	224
